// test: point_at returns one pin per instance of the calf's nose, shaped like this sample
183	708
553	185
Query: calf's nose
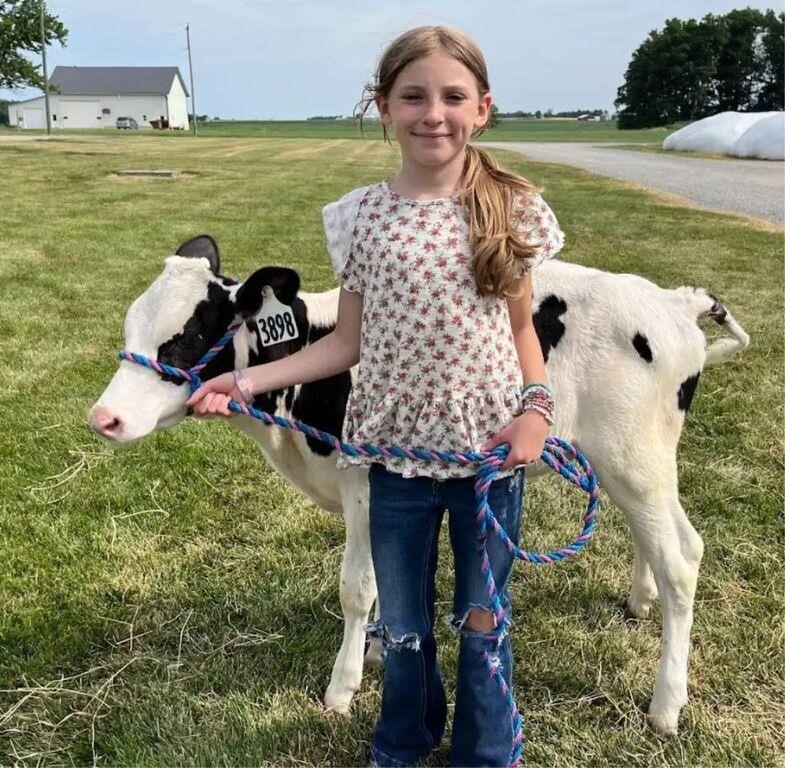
106	423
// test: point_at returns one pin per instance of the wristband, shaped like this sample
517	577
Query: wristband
535	386
241	382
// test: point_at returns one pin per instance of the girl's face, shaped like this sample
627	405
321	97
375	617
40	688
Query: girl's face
433	107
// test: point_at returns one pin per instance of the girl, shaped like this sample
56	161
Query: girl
436	306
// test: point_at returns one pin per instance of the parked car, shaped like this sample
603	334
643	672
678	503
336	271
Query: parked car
126	122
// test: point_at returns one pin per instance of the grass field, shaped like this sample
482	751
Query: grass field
176	602
507	130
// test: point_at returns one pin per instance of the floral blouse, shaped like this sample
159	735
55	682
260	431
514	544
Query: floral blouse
438	365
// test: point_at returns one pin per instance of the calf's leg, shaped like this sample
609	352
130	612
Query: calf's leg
374	656
644	589
668	551
675	562
358	591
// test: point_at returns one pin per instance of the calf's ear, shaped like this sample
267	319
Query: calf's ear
285	283
202	247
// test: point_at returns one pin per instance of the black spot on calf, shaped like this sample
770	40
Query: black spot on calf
211	317
549	327
687	391
320	404
641	344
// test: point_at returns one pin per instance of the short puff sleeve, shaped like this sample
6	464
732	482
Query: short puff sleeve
339	219
536	224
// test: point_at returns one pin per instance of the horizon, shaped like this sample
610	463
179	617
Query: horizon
247	67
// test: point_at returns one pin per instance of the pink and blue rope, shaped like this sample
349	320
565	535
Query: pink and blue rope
555	455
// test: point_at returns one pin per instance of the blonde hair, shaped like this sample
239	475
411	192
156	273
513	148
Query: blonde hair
488	191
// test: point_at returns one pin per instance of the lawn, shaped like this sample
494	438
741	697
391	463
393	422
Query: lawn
513	129
176	602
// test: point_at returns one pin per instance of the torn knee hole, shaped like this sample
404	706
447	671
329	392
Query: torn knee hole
476	620
408	641
479	620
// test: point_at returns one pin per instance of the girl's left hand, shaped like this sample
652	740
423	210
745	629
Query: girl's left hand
212	397
526	435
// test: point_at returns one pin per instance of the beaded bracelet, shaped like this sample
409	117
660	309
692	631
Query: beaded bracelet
542	411
535	386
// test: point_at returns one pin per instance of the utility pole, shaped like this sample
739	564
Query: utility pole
191	68
46	73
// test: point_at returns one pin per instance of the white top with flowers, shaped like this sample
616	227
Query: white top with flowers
438	366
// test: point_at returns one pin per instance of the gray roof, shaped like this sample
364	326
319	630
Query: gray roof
94	81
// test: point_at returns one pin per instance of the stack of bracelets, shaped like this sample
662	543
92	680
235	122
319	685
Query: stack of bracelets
538	397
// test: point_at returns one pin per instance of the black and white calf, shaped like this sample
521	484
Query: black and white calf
623	358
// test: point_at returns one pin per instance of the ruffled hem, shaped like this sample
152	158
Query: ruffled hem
458	423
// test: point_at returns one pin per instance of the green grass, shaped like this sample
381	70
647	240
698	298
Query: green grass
508	130
176	602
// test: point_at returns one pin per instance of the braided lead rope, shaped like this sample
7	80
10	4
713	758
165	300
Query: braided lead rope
554	454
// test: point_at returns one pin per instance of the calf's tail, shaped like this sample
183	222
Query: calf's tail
709	306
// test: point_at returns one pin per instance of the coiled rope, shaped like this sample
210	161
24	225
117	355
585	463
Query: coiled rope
556	454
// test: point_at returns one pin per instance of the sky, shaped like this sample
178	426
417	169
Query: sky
265	59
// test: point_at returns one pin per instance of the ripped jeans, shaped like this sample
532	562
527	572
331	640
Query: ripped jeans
406	515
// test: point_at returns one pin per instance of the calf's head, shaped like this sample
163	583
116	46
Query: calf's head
186	309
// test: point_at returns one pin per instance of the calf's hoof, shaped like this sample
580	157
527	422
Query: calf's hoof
665	724
338	701
636	611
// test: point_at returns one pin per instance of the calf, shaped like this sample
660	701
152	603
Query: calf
623	358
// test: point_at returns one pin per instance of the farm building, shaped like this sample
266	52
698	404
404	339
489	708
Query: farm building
94	97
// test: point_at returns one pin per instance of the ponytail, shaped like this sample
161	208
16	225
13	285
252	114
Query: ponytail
499	253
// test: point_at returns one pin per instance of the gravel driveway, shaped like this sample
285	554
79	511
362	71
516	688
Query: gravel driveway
751	187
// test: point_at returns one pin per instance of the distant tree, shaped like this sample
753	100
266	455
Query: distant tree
749	60
578	113
550	113
692	69
493	117
4	111
771	50
20	33
670	76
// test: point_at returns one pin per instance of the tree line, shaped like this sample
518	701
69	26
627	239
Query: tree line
550	113
693	69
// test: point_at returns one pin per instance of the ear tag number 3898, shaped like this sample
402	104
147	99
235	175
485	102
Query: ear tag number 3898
275	320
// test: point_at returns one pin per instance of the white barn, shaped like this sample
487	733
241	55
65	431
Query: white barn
94	97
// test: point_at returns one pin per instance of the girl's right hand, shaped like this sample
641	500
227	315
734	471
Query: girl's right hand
214	395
